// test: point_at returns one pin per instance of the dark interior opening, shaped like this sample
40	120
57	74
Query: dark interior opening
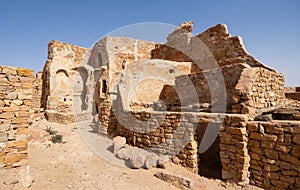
124	65
104	87
210	161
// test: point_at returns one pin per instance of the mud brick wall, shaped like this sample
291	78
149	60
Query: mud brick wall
16	86
274	149
258	88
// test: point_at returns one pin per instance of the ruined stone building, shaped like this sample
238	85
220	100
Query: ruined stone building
201	100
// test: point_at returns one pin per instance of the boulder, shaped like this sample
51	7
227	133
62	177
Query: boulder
118	143
138	159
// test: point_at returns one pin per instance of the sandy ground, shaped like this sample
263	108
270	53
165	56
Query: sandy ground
72	165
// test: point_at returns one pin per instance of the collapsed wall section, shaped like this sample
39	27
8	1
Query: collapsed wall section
215	45
16	86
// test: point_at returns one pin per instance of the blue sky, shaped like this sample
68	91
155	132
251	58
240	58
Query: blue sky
270	28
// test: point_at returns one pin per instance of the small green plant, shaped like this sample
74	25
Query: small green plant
50	130
55	138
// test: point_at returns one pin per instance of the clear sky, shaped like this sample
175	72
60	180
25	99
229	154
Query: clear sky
270	28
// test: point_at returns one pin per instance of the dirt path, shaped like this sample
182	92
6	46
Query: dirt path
72	165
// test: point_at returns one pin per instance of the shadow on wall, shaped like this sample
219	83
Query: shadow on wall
80	90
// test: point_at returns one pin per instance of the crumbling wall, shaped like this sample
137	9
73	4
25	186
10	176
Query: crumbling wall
16	86
249	90
204	88
113	55
215	45
258	89
274	149
63	82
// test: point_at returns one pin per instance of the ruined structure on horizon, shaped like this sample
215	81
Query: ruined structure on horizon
156	95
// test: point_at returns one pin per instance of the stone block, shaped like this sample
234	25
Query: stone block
9	70
256	136
254	143
20	120
7	115
226	174
118	142
296	151
269	137
11	158
279	184
25	72
289	172
267	144
271	168
296	139
287	179
272	175
3	137
237	131
22	130
289	158
20	143
253	126
4	128
272	154
283	148
11	96
257	150
11	109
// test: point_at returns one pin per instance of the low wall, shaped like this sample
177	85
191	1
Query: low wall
179	136
16	86
274	149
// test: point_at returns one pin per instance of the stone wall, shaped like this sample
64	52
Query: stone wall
227	75
16	86
249	90
36	104
180	135
64	80
111	56
233	149
274	149
174	136
258	89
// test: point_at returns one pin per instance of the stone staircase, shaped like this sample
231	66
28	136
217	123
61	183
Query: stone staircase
294	95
